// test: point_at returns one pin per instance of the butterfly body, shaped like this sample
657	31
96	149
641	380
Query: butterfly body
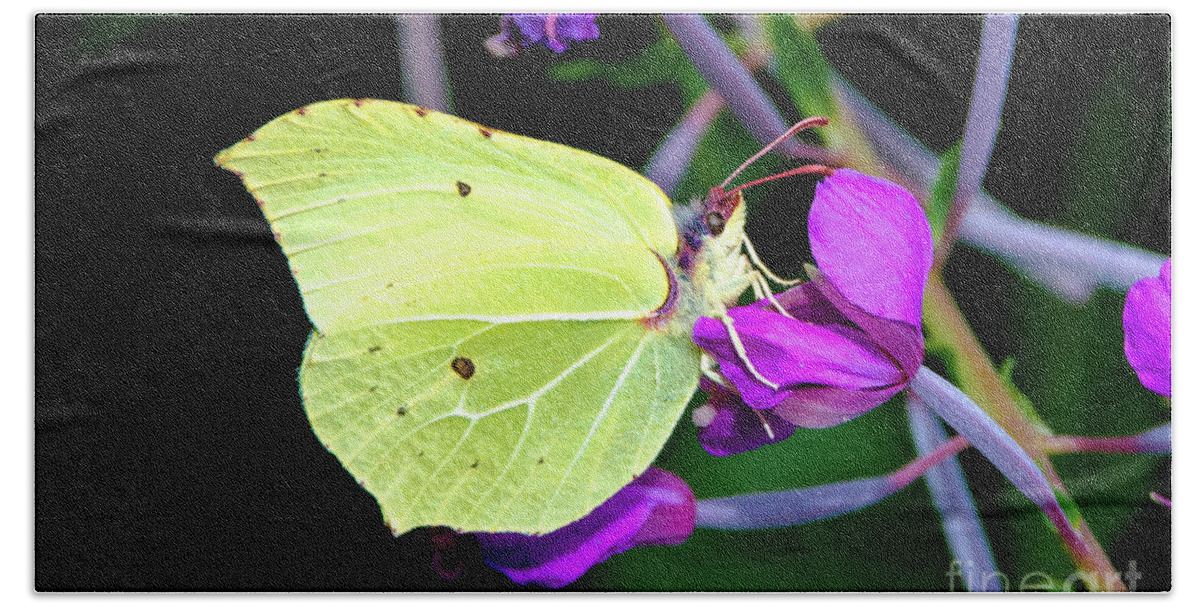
502	326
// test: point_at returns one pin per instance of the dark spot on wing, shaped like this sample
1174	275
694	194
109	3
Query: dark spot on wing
400	411
372	389
421	112
463	188
358	103
485	132
375	349
463	367
320	150
302	111
541	460
421	453
249	138
389	285
322	174
475	465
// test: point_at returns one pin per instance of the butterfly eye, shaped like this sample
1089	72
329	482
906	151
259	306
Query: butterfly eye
463	367
715	222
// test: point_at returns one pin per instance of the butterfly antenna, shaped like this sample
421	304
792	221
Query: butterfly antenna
754	259
807	123
805	170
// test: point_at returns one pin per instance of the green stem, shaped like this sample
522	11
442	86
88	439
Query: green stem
977	376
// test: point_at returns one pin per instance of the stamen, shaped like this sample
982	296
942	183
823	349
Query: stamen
766	425
758	263
816	121
740	349
704	415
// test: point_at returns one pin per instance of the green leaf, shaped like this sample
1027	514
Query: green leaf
102	32
802	67
661	63
1019	399
941	194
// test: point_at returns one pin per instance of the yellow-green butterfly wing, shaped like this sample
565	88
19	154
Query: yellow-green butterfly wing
489	352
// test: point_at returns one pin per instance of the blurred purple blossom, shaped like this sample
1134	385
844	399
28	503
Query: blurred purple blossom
657	508
553	30
1147	320
852	336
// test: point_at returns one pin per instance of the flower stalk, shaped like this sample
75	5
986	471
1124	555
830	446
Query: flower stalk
964	532
945	325
807	505
1068	263
730	78
674	155
1154	441
983	121
422	66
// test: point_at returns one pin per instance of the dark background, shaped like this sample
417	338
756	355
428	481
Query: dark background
171	450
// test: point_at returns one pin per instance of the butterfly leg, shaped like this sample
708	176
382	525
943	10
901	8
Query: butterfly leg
740	349
708	367
762	290
758	263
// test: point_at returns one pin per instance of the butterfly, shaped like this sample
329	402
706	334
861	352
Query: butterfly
502	325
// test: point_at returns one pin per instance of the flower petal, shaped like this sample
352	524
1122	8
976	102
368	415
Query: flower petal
554	30
657	508
532	27
727	426
576	27
818	407
904	342
1147	321
806	303
871	238
789	353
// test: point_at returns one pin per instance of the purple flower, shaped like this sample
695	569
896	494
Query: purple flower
657	508
1147	320
727	426
854	335
554	30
